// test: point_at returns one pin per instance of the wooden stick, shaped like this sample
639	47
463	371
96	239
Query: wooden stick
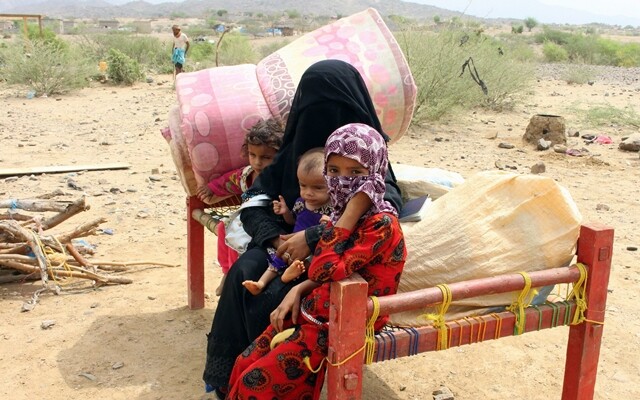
86	229
35	205
60	169
15	216
76	273
132	263
74	253
71	210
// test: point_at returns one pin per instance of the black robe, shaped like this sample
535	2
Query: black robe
330	94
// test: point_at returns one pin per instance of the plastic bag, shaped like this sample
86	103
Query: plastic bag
494	223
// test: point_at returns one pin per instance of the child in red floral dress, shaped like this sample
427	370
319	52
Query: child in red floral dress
363	236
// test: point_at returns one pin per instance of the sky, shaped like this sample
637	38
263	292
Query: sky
618	12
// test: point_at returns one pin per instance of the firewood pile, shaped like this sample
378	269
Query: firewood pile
29	251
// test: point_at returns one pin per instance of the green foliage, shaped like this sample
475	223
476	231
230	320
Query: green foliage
595	116
437	19
236	49
147	51
577	74
272	47
221	13
122	69
552	35
46	67
200	51
293	14
33	34
553	52
436	61
517	29
530	23
589	48
177	14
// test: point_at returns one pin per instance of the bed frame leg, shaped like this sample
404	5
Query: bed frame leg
195	256
595	246
348	316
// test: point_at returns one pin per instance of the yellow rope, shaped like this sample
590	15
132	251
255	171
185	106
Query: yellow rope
579	293
369	342
523	301
438	319
498	332
370	339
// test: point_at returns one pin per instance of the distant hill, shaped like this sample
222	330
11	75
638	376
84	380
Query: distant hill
197	8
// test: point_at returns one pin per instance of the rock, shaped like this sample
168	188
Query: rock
117	365
602	207
504	145
155	171
548	127
149	79
543	144
155	178
632	248
560	148
87	375
47	323
538	168
11	179
500	165
632	143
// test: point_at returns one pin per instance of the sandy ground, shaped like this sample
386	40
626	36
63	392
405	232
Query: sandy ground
140	341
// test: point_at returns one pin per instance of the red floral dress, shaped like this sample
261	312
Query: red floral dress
376	250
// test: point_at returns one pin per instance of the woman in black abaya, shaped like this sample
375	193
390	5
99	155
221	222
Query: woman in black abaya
330	94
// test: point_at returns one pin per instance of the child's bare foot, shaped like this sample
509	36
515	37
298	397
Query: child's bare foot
253	287
293	271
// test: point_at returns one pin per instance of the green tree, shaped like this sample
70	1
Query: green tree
222	13
293	14
436	19
530	23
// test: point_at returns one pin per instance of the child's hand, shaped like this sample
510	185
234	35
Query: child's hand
280	206
325	219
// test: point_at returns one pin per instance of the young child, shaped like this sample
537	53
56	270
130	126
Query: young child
260	146
363	236
310	209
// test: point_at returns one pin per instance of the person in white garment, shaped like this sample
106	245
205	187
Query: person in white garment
180	48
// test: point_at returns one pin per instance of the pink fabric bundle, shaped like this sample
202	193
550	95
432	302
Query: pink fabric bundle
218	105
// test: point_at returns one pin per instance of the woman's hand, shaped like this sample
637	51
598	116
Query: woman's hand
294	245
356	207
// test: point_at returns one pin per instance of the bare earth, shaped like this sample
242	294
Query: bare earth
140	341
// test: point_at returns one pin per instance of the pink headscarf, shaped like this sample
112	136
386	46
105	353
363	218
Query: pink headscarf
365	145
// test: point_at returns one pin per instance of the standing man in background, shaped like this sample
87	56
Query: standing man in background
180	48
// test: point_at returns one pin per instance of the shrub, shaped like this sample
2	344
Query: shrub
552	35
606	114
235	49
272	47
122	69
46	67
554	52
436	59
149	52
577	74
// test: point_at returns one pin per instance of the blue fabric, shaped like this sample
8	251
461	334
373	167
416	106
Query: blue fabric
178	56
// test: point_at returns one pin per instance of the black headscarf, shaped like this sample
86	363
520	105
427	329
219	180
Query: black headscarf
331	93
